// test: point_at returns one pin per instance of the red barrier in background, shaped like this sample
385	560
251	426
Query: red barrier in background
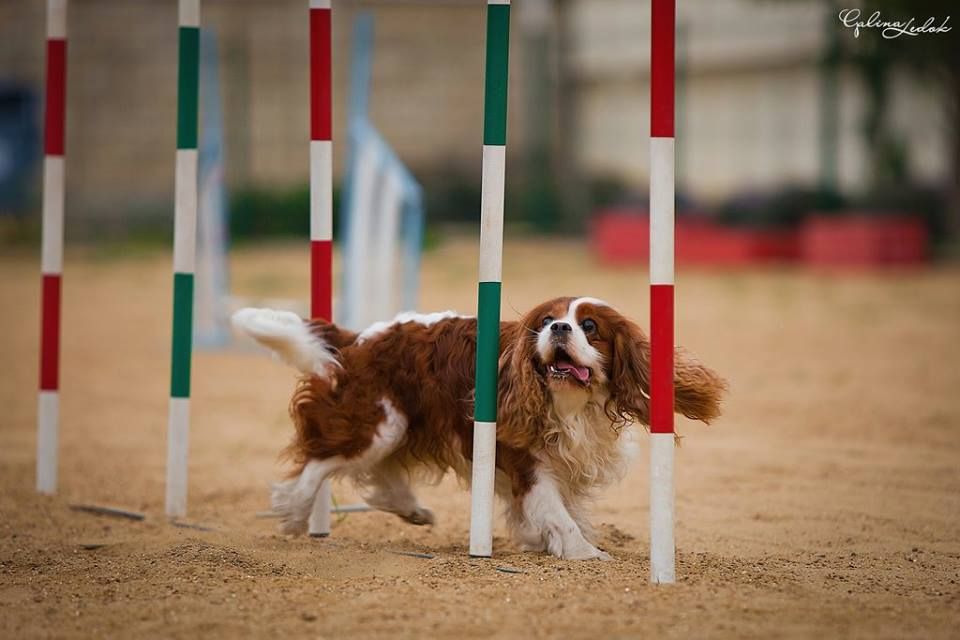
620	237
864	240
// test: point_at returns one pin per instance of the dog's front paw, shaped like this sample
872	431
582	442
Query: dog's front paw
420	516
585	552
293	527
293	517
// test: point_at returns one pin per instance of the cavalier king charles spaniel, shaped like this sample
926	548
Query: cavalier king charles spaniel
397	399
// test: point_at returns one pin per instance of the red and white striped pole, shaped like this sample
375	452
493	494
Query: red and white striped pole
321	200
48	406
662	549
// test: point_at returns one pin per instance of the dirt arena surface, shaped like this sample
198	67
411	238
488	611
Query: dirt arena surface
825	503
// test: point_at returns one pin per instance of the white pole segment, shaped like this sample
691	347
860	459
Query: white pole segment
321	189
56	19
319	522
185	212
178	445
491	216
482	488
662	561
189	13
661	210
51	260
48	421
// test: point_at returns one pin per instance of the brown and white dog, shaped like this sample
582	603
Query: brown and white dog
397	398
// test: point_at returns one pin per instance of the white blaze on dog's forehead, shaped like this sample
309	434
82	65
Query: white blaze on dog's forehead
426	319
572	309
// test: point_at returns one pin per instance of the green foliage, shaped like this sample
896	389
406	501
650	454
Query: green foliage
539	204
17	230
780	208
452	196
924	202
257	213
606	191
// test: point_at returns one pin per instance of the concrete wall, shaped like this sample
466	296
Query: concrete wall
427	95
748	111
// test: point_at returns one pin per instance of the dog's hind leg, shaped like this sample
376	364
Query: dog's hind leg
292	500
392	493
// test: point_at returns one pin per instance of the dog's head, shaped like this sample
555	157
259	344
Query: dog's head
570	351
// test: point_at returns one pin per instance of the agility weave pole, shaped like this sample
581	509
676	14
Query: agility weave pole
662	548
321	200
184	256
51	261
488	295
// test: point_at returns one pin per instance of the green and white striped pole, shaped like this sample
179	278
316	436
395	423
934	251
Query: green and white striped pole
488	302
184	257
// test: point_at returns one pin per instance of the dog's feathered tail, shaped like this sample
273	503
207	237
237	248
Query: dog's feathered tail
698	389
305	347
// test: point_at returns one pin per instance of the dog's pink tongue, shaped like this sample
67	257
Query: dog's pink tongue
580	373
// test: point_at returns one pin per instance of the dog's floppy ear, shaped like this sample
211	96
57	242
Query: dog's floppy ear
522	399
629	371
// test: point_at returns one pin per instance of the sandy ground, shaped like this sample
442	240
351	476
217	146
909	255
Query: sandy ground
826	502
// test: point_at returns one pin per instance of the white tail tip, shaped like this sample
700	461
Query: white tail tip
289	336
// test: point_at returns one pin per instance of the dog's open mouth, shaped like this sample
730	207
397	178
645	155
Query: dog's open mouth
564	368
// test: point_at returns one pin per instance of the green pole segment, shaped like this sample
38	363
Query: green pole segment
488	351
495	88
188	86
182	335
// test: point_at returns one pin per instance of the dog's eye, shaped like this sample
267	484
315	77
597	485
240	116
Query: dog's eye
588	326
546	321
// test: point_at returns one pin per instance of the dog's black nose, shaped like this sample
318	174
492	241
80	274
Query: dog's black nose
561	327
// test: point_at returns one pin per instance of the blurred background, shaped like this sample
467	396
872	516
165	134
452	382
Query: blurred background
795	139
